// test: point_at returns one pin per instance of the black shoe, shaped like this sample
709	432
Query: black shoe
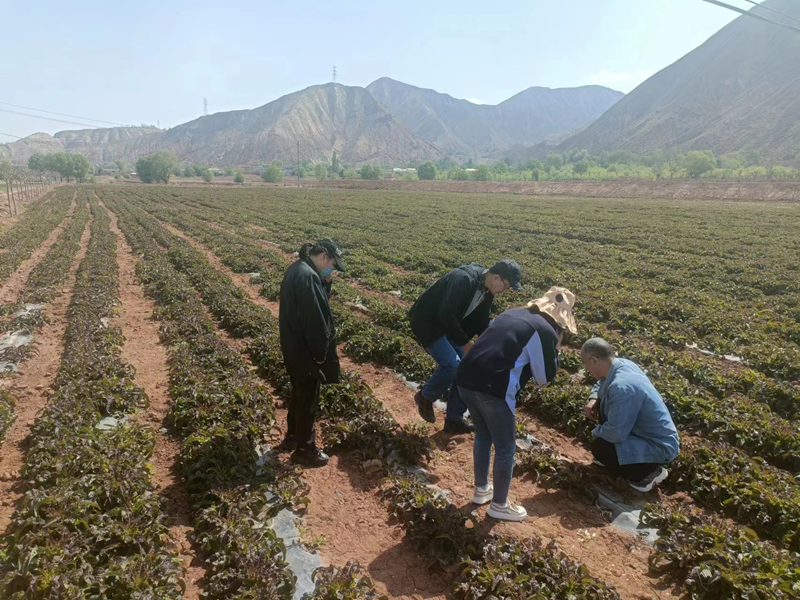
289	444
460	426
425	408
310	457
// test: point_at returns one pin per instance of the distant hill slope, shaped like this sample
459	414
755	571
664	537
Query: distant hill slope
99	145
740	90
322	118
459	127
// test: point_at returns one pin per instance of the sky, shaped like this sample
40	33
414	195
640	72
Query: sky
154	62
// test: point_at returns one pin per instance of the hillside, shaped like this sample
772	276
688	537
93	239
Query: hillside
459	127
740	90
99	145
322	118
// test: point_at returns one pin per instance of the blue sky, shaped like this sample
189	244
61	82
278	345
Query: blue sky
152	61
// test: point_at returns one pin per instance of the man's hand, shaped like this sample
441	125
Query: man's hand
320	362
467	347
590	410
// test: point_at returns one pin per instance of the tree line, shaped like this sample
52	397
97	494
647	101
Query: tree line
69	165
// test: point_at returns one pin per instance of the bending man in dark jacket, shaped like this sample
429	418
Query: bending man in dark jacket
308	343
445	319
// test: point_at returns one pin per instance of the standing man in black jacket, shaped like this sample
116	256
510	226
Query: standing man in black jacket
308	343
445	319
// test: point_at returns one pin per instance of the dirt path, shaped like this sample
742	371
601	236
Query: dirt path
33	386
579	529
143	350
11	287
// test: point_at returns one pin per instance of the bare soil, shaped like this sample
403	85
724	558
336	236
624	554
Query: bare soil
145	352
760	191
33	386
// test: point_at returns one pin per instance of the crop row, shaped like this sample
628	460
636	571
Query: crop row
715	560
221	413
566	392
90	525
42	286
32	229
353	419
704	281
48	276
380	339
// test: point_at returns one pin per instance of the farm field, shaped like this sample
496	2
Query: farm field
134	431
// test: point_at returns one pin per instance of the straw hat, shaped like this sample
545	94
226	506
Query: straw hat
558	303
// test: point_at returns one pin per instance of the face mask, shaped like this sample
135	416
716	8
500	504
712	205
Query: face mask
326	272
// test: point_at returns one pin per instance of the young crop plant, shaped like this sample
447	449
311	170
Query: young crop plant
90	525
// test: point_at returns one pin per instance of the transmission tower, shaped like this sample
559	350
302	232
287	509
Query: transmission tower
334	73
205	107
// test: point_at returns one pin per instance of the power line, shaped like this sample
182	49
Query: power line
11	135
748	13
50	112
783	14
16	112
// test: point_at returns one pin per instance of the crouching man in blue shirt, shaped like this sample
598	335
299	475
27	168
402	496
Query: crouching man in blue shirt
635	435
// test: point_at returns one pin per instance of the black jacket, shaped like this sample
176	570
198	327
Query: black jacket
306	325
442	307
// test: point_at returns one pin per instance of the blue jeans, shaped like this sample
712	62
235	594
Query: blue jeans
447	355
495	424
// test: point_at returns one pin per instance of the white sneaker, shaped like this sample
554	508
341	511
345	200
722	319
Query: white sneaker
483	494
507	512
647	484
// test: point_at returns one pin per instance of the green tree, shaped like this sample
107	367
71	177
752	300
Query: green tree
198	170
228	171
427	171
581	167
239	177
578	155
188	171
371	172
207	175
335	166
37	162
698	162
500	168
156	167
481	173
554	161
534	164
458	174
272	174
349	174
301	172
80	167
320	172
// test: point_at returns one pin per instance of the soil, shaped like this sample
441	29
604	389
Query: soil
342	493
143	350
11	287
748	191
33	385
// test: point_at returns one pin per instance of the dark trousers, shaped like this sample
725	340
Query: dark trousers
606	453
303	406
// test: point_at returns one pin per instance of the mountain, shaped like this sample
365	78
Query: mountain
460	127
740	90
99	145
322	118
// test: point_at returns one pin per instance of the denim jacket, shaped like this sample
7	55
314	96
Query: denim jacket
633	416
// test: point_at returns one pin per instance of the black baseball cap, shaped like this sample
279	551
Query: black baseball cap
510	271
334	252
